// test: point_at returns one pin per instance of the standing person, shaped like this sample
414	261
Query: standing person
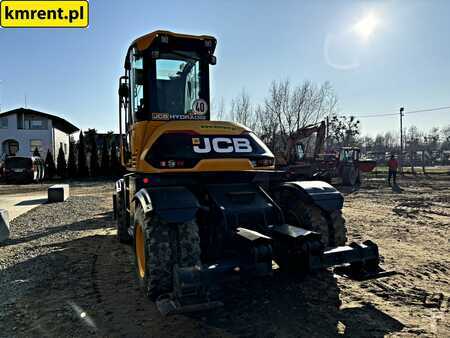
393	166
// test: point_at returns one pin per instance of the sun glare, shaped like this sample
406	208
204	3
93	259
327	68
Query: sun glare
366	26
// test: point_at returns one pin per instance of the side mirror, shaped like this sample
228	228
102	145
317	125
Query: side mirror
212	60
123	90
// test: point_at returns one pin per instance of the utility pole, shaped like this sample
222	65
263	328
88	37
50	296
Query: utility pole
401	139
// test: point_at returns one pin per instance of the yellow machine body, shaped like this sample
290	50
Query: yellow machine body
148	116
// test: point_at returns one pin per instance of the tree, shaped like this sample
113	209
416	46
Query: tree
413	143
90	136
218	109
445	138
432	138
82	166
343	130
367	143
93	163
288	109
50	168
61	168
390	141
104	161
241	110
379	143
36	152
72	164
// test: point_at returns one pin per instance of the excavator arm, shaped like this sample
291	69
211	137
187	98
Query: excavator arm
302	133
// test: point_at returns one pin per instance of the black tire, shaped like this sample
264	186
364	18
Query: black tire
349	176
122	230
358	177
337	221
330	225
309	217
164	245
189	244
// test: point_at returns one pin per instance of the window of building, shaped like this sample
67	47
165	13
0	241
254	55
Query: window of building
19	121
3	122
26	121
36	124
36	144
65	148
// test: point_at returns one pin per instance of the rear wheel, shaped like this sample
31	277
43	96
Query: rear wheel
358	177
158	247
349	176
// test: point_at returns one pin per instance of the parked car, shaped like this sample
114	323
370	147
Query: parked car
2	164
18	169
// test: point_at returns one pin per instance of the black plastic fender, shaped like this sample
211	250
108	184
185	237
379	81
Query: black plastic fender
172	204
319	193
120	185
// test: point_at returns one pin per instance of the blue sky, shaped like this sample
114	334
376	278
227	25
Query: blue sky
404	62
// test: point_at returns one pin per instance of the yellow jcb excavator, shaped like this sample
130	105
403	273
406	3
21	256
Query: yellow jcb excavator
201	203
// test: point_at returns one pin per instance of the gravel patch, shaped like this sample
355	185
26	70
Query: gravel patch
30	259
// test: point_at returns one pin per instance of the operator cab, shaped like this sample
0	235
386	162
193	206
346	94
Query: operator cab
164	118
167	77
349	154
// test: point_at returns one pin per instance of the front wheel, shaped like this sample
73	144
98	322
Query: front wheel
330	225
337	221
309	217
122	230
158	247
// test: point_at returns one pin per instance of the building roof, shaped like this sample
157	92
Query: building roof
58	122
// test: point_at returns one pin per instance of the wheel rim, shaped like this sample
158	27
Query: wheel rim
140	254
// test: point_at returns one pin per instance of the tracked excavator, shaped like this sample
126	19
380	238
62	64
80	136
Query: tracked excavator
201	202
298	161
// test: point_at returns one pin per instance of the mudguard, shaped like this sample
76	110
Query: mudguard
119	193
319	193
172	204
120	185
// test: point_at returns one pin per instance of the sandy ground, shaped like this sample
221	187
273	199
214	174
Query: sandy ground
63	274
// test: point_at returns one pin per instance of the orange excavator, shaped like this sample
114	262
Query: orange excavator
304	157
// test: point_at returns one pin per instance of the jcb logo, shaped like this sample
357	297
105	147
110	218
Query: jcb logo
222	145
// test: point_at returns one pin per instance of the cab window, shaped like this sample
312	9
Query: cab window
300	151
180	85
137	82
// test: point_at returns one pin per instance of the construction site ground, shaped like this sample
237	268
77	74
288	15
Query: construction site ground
64	274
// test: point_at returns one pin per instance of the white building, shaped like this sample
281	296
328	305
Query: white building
23	130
